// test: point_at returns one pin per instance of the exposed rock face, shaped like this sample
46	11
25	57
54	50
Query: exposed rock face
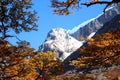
58	40
96	23
65	42
110	25
113	24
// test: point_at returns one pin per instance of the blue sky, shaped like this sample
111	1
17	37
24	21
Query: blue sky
47	20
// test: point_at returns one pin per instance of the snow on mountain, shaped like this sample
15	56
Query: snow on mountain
93	25
113	24
80	26
58	40
76	28
65	42
91	35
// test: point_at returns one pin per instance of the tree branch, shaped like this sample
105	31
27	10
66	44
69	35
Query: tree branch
93	3
70	4
106	8
102	2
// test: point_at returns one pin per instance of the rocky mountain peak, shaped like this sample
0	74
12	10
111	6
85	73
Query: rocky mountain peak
56	33
65	42
59	40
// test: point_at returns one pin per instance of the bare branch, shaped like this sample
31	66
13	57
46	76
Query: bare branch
93	3
101	2
106	7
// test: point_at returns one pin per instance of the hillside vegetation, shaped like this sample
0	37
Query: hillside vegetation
102	52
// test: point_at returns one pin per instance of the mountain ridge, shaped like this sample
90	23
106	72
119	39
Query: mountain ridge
112	25
65	42
59	40
96	23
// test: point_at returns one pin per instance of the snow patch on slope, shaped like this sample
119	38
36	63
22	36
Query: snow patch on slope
110	8
64	42
91	35
80	25
76	28
59	40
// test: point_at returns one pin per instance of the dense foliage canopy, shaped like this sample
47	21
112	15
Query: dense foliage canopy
102	51
21	62
17	16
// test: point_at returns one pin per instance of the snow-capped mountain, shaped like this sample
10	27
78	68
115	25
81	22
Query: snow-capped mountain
65	42
93	25
113	24
59	40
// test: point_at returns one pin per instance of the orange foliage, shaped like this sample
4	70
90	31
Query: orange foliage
95	0
47	65
102	51
22	63
62	7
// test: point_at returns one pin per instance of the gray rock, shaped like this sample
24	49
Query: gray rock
96	23
59	40
65	43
